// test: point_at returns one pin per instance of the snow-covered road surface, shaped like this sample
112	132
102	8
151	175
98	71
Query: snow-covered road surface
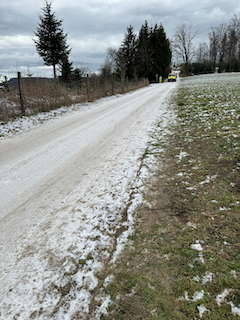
68	193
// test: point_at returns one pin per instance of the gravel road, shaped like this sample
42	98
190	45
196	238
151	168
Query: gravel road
68	194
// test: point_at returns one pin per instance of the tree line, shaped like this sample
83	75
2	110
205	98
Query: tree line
143	55
222	49
224	45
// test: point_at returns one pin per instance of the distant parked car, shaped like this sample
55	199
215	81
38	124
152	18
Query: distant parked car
172	77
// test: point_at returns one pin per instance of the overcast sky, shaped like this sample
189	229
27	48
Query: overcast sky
95	25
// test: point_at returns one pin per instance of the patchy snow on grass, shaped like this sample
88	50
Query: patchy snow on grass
208	179
235	310
190	224
208	130
198	295
208	277
182	155
201	310
234	273
221	296
197	246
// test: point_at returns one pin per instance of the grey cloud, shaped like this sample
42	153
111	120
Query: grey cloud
93	26
13	22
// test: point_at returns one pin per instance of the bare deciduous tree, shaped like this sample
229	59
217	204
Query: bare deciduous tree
183	43
214	43
106	73
202	53
120	64
222	43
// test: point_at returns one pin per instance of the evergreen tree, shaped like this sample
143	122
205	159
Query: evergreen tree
160	52
153	52
51	44
143	56
236	66
77	75
143	51
66	70
128	50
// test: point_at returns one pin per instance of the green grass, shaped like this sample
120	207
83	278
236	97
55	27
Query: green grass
193	199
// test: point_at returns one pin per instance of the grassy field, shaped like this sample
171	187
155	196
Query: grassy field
183	262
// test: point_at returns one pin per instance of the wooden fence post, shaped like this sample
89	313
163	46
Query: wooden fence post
88	88
20	93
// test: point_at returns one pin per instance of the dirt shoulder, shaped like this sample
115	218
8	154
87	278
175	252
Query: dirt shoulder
183	261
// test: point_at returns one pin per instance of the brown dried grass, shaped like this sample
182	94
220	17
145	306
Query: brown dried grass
41	96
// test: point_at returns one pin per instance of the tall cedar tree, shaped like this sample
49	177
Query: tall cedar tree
52	42
128	50
143	51
153	52
161	54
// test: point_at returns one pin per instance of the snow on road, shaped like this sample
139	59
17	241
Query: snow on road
69	188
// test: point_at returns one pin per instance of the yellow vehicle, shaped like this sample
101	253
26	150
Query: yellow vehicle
172	77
